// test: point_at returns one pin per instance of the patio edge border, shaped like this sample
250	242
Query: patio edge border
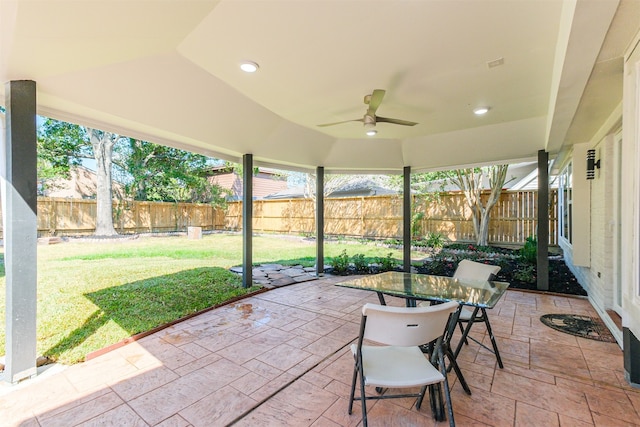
136	337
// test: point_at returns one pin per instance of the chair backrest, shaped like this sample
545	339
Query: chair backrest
406	326
472	270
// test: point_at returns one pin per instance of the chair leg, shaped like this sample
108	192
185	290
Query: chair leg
435	400
447	392
353	388
465	333
493	338
462	331
454	365
364	402
423	391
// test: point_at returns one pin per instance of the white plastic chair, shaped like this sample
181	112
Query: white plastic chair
475	271
397	361
472	270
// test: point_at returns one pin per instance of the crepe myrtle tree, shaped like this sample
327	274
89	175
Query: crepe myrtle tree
470	182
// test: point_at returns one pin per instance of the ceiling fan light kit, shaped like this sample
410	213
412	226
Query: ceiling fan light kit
370	119
481	111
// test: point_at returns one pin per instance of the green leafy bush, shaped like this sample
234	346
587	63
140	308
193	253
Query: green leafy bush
439	266
435	240
529	251
387	263
360	263
527	274
415	223
393	242
340	263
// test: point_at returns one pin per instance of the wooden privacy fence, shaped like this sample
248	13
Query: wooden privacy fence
513	219
65	217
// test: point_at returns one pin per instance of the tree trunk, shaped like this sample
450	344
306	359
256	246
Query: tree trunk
102	143
470	182
483	229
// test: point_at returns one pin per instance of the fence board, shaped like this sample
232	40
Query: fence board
513	219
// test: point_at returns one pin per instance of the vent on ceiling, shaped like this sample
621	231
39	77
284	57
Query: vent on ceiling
495	62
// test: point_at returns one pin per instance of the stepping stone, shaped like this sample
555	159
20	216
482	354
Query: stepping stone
305	278
271	267
292	272
283	282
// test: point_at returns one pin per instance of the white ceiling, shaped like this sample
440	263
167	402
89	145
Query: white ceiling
167	71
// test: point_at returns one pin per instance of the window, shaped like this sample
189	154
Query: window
565	201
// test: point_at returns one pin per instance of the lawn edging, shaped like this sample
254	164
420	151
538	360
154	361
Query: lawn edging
138	336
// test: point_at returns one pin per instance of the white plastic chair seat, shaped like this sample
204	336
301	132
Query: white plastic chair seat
397	367
465	314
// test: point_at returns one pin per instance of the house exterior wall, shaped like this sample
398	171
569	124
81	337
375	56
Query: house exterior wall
263	184
615	205
598	278
630	222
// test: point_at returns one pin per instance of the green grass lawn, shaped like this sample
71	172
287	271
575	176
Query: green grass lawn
93	294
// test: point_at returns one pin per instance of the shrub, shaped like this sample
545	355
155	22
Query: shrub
387	263
435	240
415	223
360	263
529	251
419	243
340	263
526	274
439	266
393	242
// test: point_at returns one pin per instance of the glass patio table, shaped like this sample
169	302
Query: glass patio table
423	287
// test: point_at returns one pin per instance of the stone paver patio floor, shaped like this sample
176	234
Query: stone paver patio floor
281	358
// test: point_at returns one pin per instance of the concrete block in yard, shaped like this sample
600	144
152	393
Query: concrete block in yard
194	233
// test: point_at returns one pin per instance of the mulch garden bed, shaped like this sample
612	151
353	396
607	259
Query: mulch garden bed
561	279
519	273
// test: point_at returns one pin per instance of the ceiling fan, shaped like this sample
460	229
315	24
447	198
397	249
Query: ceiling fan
370	119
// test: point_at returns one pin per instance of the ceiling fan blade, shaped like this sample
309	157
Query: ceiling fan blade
375	100
339	123
395	121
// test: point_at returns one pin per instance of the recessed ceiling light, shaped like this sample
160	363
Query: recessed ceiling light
249	67
480	111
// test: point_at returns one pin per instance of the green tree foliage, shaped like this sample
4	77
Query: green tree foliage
62	146
161	173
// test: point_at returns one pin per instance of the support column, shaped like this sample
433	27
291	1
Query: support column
543	221
247	220
406	220
319	221
19	212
